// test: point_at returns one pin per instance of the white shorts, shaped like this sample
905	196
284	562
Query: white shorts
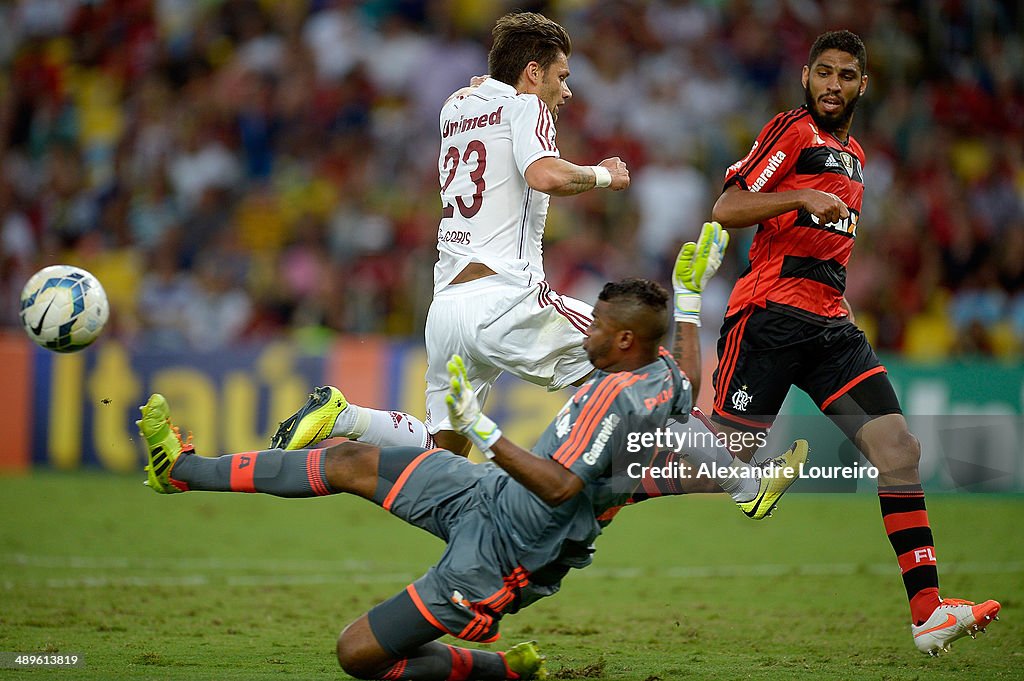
496	326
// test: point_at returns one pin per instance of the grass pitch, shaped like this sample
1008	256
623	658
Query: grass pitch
229	586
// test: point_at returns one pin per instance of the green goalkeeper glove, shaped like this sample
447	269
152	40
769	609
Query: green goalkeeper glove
695	265
464	412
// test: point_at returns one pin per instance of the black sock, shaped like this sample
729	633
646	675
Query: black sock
906	523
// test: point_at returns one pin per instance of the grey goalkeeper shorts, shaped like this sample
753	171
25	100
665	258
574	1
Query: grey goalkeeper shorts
476	580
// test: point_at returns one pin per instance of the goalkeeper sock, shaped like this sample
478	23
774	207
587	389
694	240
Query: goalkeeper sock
273	471
436	661
382	428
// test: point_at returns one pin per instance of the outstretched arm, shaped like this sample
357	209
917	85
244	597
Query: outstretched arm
558	177
549	480
696	263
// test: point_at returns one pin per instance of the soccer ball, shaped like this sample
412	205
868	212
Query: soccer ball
63	308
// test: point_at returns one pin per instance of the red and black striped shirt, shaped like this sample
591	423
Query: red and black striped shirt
796	262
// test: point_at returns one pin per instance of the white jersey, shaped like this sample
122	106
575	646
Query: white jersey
489	214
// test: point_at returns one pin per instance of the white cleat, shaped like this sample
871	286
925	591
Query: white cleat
953	619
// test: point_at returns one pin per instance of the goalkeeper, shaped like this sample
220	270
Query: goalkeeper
328	414
514	526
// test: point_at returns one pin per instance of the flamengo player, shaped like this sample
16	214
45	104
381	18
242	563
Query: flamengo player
498	167
788	323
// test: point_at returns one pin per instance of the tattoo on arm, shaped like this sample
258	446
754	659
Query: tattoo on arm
678	348
686	350
581	180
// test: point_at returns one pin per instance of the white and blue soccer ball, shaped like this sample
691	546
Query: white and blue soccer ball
63	308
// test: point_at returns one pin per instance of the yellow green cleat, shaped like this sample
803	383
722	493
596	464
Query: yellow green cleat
778	475
313	422
526	661
163	444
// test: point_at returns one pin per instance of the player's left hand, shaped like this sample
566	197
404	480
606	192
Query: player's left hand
464	411
696	263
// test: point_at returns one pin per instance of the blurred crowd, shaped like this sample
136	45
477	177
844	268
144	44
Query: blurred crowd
238	169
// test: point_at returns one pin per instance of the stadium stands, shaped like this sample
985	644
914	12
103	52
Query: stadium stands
270	168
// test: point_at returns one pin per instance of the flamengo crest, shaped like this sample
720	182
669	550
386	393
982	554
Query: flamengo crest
741	399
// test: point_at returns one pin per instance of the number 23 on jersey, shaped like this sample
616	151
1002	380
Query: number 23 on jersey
471	162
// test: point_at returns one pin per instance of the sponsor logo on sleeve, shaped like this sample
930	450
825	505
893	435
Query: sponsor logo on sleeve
597	448
774	162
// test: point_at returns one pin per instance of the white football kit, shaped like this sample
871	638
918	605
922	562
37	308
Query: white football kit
512	321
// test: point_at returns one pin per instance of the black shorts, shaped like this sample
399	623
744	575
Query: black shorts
762	352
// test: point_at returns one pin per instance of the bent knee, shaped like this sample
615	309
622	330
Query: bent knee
908	445
900	447
892	448
348	463
891	436
350	449
353	659
453	442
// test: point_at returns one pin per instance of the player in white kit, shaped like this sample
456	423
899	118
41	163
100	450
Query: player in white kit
498	168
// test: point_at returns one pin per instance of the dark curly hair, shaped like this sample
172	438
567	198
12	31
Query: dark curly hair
643	304
844	41
644	291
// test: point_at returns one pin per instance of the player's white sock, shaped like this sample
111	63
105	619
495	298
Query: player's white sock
743	487
381	428
701	449
352	422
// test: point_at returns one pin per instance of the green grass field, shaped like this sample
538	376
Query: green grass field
223	586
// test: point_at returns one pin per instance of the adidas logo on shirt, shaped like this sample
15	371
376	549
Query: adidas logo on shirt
831	162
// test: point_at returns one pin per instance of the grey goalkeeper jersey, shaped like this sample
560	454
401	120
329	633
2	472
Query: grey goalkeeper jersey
596	435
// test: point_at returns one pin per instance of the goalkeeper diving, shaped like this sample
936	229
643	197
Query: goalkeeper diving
514	526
